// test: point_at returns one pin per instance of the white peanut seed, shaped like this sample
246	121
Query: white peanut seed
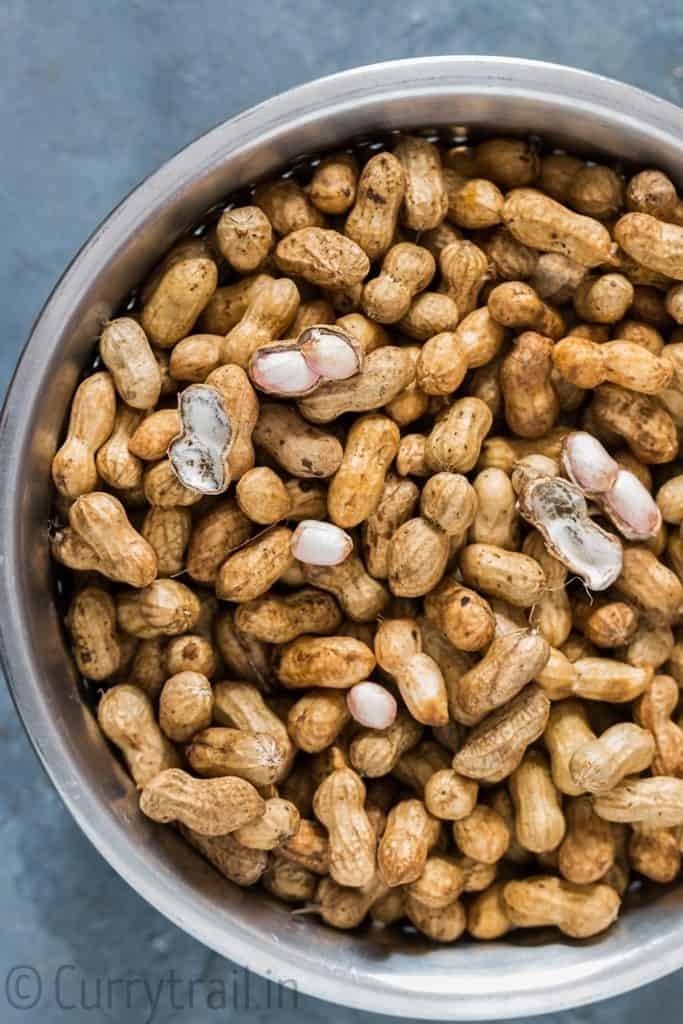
282	372
587	463
372	705
631	507
319	543
329	353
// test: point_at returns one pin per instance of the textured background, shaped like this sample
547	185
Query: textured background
93	98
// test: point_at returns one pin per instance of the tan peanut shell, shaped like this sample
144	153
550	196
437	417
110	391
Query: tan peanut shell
163	489
262	496
406	270
417	559
164	608
543	223
374	752
626	364
308	848
385	373
509	162
300	448
153	436
398	649
116	464
425	201
462	615
515	304
599	765
496	746
483	835
531	404
226	307
126	717
646	427
655	244
444	925
91	622
455	441
287	206
333	186
148	670
404	847
596	190
416	766
396	503
185	705
316	720
411	403
442	364
477	204
371	222
449	501
337	661
245	657
496	519
430	313
440	883
251	571
179	295
238	864
552	614
509	664
211	807
191	653
244	236
652	803
279	822
577	910
100	521
450	796
514	577
213	537
279	620
240	705
654	711
270	311
589	849
288	881
567	731
127	354
539	820
322	257
606	623
339	805
655	853
360	597
356	488
257	757
91	421
486	914
168	530
464	271
650	585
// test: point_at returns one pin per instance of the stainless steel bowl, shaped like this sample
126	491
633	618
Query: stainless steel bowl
409	978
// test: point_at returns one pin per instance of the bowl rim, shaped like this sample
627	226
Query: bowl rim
449	74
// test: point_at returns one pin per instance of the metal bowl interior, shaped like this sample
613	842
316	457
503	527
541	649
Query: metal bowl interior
368	971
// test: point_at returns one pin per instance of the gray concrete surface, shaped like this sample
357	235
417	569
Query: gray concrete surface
93	97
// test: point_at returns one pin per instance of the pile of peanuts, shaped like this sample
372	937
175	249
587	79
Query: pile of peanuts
372	509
